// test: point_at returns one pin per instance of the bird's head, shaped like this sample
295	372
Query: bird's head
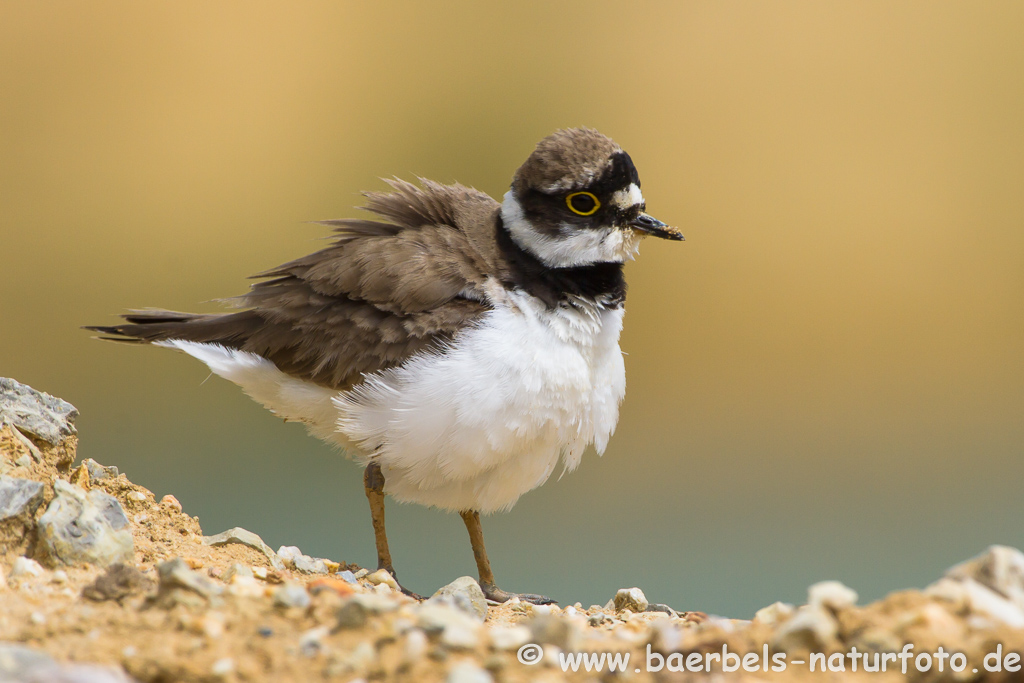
577	201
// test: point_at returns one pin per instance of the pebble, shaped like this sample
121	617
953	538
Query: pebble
362	656
342	588
171	502
59	576
176	574
24	566
246	587
468	672
831	594
465	594
376	604
352	614
235	570
665	637
999	568
212	624
80	527
812	629
294	559
361	573
246	538
223	667
19	497
598	618
457	629
290	594
461	635
116	583
347	576
551	656
414	646
98	472
36	413
983	599
774	613
311	641
631	599
660	608
550	630
507	638
382	576
137	496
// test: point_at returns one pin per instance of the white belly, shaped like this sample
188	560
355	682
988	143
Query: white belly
472	427
482	423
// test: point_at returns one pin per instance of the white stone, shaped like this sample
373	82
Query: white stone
236	570
507	638
24	566
468	672
551	655
631	599
212	624
461	635
466	594
439	617
666	637
362	656
382	576
414	646
290	594
223	667
812	628
774	613
983	599
999	568
948	590
831	594
246	587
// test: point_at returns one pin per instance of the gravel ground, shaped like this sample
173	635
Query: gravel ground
100	582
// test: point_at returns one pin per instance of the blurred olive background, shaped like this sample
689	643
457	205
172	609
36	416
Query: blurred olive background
826	380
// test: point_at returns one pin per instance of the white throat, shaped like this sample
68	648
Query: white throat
572	247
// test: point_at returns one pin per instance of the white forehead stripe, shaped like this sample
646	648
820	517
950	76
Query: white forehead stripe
628	198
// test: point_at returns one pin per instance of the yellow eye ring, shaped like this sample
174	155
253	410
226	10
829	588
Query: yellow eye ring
590	195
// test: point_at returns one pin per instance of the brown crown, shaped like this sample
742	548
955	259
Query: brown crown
567	159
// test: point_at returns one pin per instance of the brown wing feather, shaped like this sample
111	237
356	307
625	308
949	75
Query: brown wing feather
383	291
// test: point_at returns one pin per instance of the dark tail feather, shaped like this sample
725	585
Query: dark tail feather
153	325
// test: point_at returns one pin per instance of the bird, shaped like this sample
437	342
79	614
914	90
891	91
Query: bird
456	347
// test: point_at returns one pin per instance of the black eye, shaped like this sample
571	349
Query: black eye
583	203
